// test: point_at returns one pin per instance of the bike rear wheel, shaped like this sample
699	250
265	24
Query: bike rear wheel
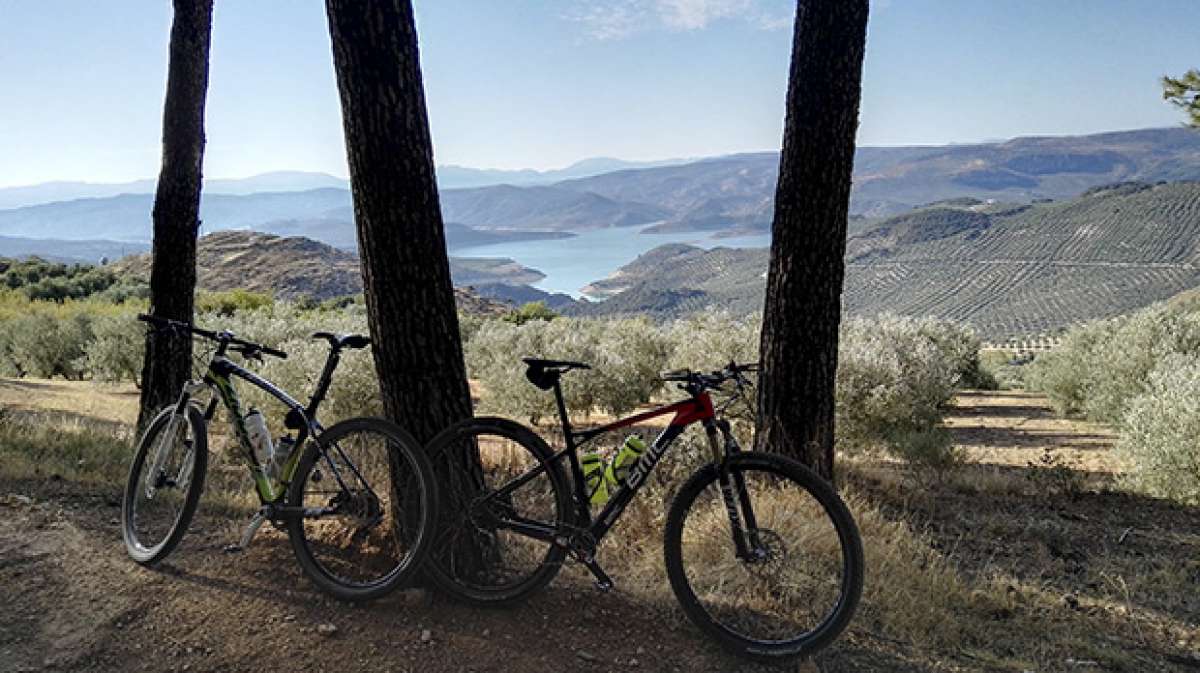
164	484
477	558
799	581
370	501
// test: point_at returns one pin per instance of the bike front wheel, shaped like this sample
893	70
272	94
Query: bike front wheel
792	584
369	503
164	484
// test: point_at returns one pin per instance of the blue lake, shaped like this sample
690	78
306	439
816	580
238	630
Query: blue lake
571	263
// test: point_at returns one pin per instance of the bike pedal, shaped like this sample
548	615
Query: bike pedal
603	582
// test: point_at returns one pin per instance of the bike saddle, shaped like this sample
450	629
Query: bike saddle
544	373
338	342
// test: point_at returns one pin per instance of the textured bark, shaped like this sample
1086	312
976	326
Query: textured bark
804	284
176	214
401	241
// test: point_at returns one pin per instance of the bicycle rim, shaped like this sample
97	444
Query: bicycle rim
374	499
800	580
160	497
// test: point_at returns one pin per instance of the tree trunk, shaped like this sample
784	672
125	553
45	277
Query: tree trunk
406	273
176	215
804	284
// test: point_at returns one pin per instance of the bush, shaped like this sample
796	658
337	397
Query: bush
1101	366
534	310
229	302
893	379
116	350
1160	431
45	346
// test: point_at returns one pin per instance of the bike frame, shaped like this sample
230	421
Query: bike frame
219	378
697	409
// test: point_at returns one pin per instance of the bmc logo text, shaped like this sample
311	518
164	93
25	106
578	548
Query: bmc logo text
646	463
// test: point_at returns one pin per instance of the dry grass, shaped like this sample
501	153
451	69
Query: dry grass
1009	563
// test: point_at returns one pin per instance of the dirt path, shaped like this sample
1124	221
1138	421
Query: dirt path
73	600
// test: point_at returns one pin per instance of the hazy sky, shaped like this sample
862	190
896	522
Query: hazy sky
540	84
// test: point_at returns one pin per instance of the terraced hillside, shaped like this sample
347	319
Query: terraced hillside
1009	270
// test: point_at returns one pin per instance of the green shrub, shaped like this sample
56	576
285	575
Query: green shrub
895	376
1160	432
534	310
116	350
45	346
229	302
1101	366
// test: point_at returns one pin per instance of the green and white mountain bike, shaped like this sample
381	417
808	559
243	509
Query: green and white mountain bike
357	499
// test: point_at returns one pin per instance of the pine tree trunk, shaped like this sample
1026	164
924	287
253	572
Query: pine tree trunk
406	273
176	214
401	238
804	284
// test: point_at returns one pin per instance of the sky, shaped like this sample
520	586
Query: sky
542	84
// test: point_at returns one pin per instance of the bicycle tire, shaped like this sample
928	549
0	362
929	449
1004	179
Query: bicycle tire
443	567
754	648
418	526
153	554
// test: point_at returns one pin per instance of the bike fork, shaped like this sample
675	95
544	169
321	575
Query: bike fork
742	522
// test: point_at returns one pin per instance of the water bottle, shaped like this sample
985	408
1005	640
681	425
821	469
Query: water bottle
593	474
259	436
627	456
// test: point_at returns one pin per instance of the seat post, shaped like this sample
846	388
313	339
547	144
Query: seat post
562	411
323	383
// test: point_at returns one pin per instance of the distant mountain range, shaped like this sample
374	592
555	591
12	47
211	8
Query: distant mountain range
1008	269
725	195
449	177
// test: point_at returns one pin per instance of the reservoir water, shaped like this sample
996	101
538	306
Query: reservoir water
571	263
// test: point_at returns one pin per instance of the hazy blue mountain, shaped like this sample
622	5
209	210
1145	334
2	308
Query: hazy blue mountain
542	208
449	177
724	195
127	217
277	181
453	177
58	250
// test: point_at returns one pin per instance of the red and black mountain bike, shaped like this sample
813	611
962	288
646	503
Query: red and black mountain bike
761	552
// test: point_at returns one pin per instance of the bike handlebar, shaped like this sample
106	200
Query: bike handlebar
248	348
714	379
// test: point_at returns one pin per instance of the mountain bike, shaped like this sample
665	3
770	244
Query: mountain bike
357	500
760	551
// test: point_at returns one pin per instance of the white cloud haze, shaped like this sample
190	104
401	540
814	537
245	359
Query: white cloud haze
616	19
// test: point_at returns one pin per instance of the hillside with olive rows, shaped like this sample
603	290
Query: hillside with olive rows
1006	269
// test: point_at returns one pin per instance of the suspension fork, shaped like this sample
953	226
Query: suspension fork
742	522
167	440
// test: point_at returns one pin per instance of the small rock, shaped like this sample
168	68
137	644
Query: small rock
426	636
585	655
22	500
327	629
487	632
634	662
289	618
